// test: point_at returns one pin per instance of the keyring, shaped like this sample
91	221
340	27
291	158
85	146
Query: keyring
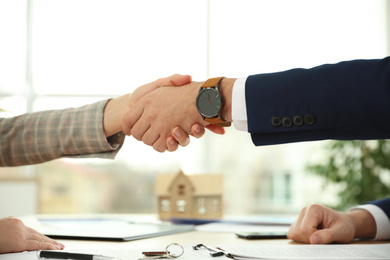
173	255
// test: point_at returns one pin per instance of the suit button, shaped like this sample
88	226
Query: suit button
297	120
286	122
309	119
276	121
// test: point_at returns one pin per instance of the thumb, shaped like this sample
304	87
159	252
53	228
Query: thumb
336	233
216	129
323	236
177	80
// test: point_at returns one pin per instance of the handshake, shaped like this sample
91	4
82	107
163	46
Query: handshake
164	113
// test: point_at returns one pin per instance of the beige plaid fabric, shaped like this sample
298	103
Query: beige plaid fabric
44	136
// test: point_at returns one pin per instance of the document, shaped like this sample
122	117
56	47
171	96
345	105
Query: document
332	251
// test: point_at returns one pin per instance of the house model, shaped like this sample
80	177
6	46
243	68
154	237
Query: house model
189	196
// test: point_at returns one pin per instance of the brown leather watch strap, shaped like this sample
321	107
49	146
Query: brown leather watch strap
217	121
212	82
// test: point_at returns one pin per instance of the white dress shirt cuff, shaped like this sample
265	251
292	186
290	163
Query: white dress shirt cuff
381	220
239	116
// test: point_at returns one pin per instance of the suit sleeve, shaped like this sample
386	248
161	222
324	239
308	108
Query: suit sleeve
344	101
384	204
43	136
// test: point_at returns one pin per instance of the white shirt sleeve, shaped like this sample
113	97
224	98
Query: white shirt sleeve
381	220
239	116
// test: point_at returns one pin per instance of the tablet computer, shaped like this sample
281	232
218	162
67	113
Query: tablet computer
110	230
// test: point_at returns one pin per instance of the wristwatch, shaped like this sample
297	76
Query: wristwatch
209	102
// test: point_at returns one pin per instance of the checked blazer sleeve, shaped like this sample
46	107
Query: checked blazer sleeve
43	136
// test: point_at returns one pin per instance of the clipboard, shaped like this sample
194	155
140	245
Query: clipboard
107	230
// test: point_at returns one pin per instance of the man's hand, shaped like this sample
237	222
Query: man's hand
177	135
182	138
16	237
317	224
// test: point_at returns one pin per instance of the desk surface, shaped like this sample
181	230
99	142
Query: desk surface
194	237
210	238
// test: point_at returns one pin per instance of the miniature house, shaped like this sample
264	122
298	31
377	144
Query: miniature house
189	196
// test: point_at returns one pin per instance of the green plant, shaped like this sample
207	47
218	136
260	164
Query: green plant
360	168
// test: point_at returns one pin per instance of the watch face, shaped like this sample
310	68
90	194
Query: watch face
209	102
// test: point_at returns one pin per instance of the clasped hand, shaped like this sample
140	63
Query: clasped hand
163	114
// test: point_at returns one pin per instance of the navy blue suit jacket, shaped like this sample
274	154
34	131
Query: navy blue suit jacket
343	101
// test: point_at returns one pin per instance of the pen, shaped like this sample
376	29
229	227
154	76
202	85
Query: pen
74	256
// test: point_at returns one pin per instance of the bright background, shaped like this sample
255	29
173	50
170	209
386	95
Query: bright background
62	53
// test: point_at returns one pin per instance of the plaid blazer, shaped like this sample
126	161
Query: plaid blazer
43	136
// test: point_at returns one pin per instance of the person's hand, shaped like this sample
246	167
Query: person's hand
116	108
174	80
16	237
318	224
182	138
153	117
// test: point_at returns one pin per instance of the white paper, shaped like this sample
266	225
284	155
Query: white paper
362	251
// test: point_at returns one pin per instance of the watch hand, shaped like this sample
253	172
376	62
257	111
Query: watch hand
211	100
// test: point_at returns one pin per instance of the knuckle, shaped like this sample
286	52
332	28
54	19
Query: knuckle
16	222
158	147
306	230
315	206
303	210
150	117
293	236
146	140
136	136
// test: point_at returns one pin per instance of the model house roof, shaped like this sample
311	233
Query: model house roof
202	184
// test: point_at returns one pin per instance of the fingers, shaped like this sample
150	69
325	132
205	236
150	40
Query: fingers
174	80
294	231
318	224
197	130
159	111
216	129
172	144
16	237
339	229
177	80
132	117
38	241
324	236
307	223
159	145
179	137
